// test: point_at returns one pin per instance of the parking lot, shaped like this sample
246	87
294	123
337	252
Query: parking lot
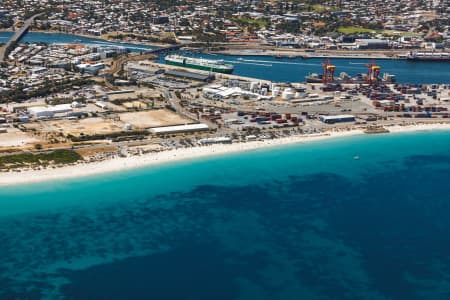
153	118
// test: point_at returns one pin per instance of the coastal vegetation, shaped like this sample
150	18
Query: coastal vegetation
57	157
121	135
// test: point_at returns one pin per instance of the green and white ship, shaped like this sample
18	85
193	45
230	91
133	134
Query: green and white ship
218	66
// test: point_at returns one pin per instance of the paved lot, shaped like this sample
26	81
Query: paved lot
153	118
16	138
88	126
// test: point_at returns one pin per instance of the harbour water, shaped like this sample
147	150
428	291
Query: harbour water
304	221
295	69
278	70
59	38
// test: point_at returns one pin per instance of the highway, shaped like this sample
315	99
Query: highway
17	36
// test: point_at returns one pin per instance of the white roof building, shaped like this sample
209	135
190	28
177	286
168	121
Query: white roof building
179	128
49	111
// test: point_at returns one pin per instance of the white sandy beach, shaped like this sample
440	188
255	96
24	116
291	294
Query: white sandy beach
124	163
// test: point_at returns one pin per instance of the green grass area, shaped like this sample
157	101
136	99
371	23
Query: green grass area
318	8
399	33
356	29
30	159
246	21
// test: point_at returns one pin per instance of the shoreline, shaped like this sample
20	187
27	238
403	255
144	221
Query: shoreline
284	53
304	55
113	165
94	37
388	55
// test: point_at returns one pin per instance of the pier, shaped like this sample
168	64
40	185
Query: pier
17	36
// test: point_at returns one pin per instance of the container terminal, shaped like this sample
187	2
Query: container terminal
102	102
328	71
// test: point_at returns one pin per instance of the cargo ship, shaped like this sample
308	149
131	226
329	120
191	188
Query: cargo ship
212	65
429	56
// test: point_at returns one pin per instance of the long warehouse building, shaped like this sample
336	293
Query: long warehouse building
179	129
337	119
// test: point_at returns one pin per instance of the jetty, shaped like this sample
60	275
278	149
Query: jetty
17	36
374	129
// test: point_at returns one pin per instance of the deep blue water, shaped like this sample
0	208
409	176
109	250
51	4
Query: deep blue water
279	70
295	70
305	221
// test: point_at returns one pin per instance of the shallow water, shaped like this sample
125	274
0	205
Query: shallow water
304	221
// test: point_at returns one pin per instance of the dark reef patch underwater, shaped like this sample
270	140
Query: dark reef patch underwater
300	222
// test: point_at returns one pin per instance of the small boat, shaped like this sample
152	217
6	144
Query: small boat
314	78
356	157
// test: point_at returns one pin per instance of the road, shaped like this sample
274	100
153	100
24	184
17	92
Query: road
118	63
172	99
17	36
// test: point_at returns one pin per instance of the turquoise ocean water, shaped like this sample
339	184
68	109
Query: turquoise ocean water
304	221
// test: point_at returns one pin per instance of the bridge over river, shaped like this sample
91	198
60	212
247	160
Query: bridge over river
17	36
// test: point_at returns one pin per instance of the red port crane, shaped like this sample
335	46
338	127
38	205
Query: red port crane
328	71
373	72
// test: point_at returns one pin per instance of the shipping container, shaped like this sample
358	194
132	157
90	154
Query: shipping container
276	116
